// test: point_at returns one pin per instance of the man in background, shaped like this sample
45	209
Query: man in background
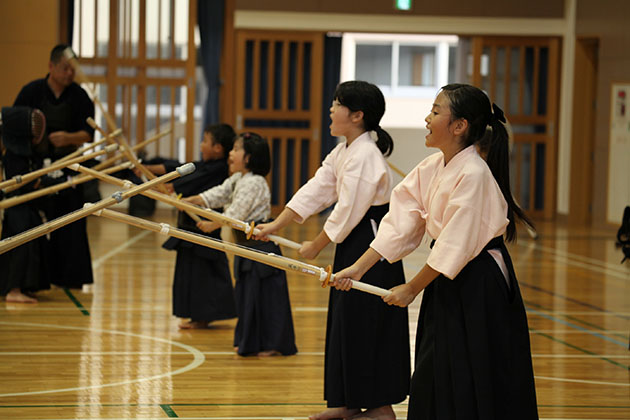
66	107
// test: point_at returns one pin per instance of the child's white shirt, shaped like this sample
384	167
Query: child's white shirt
355	177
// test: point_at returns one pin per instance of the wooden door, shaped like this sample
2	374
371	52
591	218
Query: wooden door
279	96
521	75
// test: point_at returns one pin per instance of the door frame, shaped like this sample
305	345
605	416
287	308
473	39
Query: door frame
583	129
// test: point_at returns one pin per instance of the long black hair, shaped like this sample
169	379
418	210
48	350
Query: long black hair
362	96
472	104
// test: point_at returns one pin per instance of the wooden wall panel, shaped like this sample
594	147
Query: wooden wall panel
25	44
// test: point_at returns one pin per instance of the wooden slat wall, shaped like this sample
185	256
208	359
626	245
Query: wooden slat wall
121	55
268	112
531	117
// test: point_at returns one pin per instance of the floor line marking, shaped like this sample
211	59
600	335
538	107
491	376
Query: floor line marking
582	381
76	302
577	327
570	299
229	353
132	353
573	346
199	358
580	261
160	310
96	263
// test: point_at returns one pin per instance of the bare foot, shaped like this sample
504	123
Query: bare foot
235	349
16	296
335	413
381	413
268	353
193	325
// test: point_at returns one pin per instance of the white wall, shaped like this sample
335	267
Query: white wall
619	153
409	148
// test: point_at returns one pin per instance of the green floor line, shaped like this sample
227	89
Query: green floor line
168	410
76	302
577	320
542	308
581	349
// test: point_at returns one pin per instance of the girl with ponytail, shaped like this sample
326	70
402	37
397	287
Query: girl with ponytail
367	343
473	357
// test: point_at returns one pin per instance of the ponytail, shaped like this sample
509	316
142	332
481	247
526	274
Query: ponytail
498	160
362	96
473	105
384	141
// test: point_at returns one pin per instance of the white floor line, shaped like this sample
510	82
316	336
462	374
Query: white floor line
230	353
159	309
580	261
582	356
132	353
96	263
590	313
620	332
581	381
198	358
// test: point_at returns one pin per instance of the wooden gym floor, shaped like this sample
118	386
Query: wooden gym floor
114	351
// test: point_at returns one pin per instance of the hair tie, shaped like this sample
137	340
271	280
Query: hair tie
247	135
497	113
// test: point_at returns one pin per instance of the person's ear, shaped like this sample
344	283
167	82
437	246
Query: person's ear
460	126
356	116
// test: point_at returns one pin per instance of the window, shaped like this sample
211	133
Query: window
416	66
374	63
401	65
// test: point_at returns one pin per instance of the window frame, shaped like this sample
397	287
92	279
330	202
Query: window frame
441	43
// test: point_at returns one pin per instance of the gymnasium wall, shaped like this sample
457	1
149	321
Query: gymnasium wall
607	20
29	28
481	8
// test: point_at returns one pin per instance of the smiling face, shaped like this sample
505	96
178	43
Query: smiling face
238	160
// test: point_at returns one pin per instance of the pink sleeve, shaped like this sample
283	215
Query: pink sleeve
318	193
402	228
